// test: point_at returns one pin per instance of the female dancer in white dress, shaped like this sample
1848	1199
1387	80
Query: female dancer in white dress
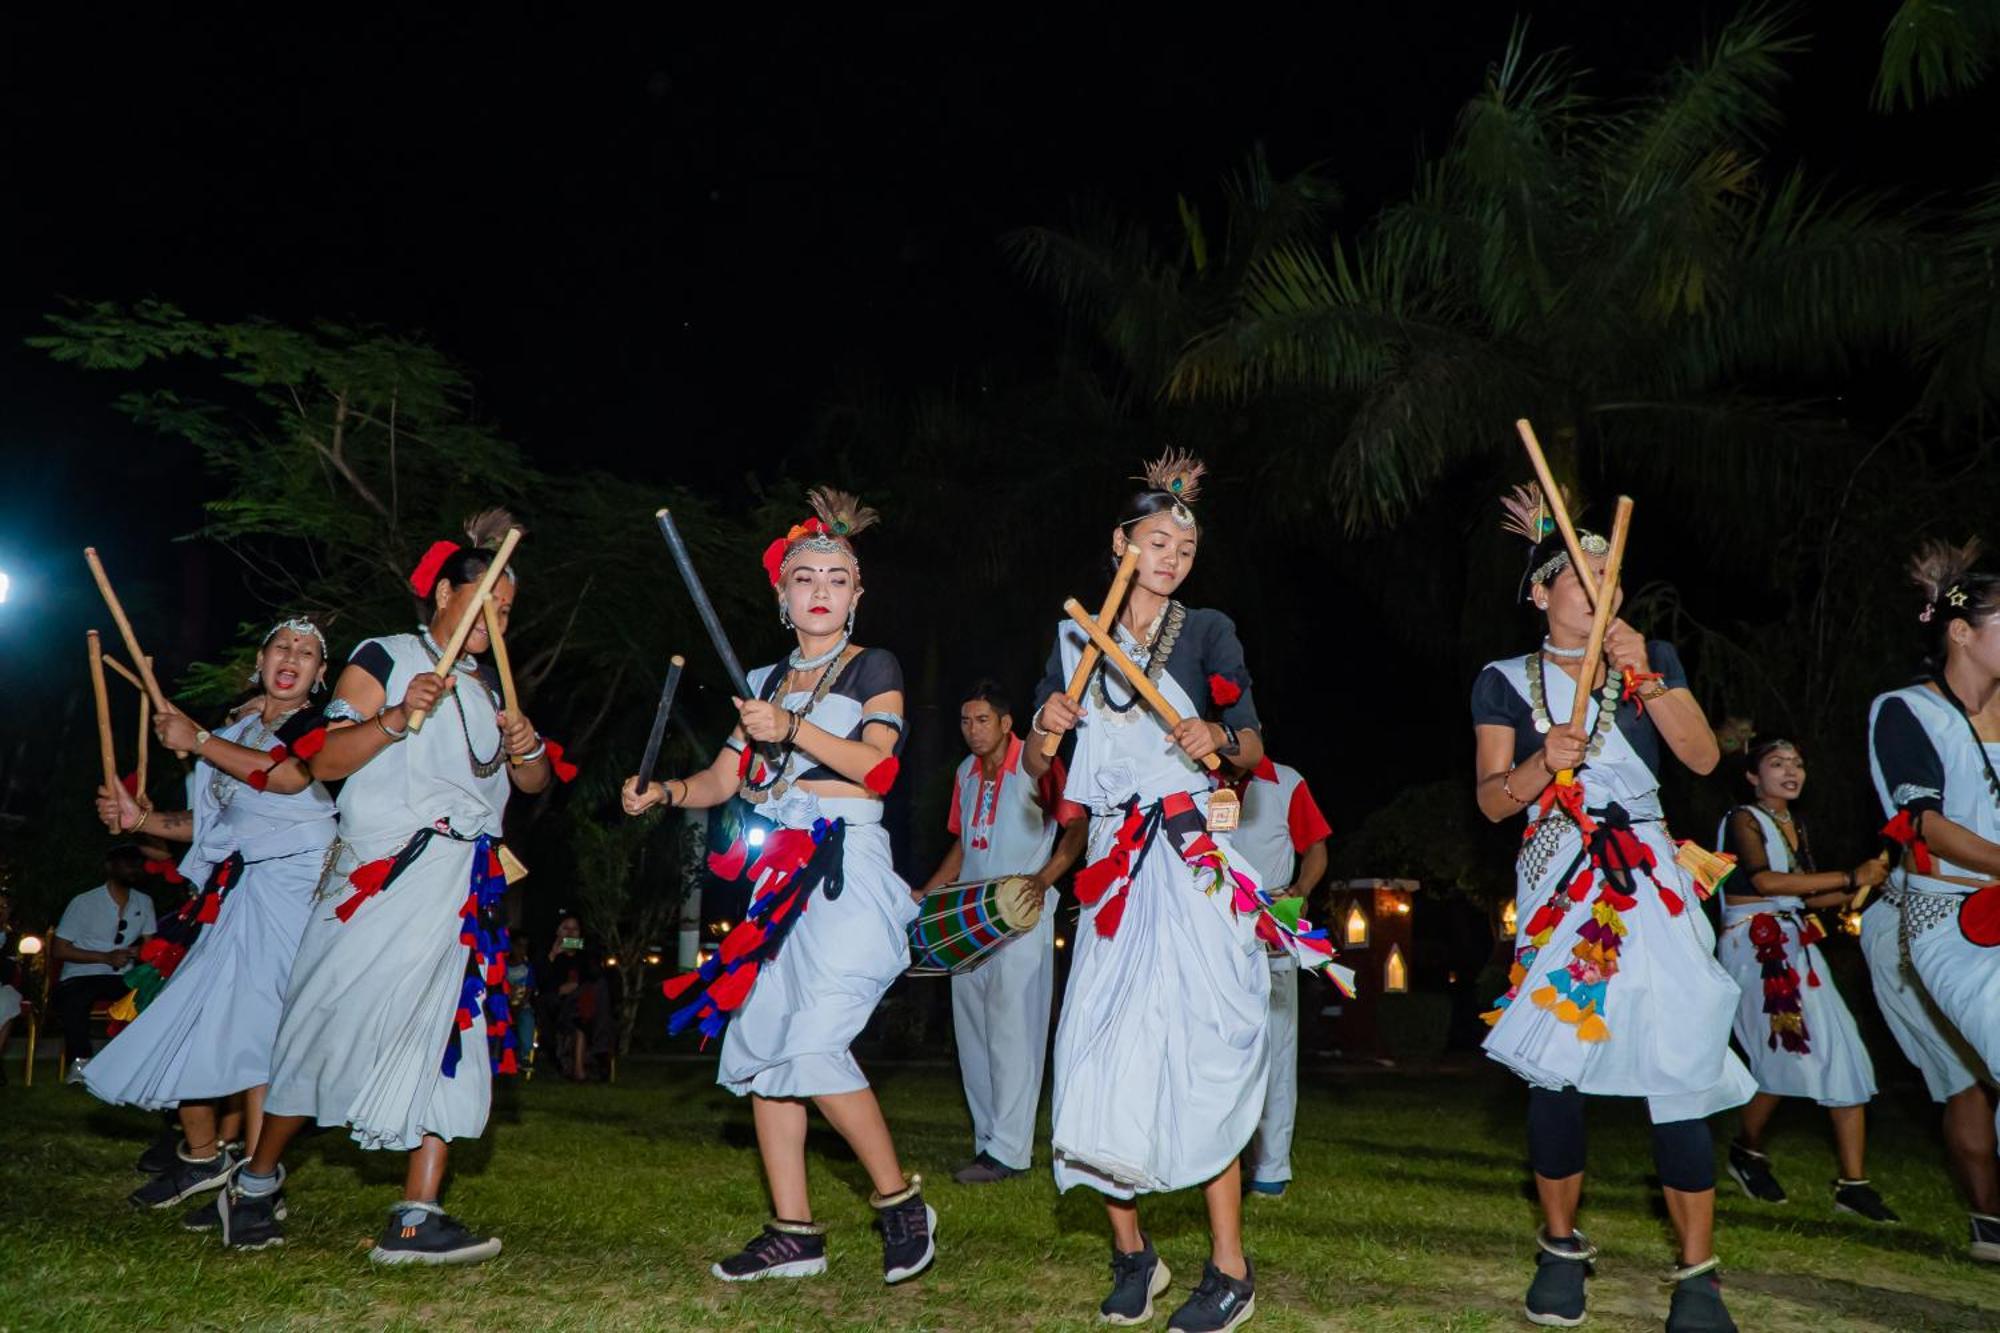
1615	987
259	831
791	987
1791	1022
1934	750
1160	1055
400	979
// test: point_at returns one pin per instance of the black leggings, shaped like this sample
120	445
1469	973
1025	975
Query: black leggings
1683	1151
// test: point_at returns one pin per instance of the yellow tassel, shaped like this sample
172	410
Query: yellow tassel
126	1010
1592	1029
1516	975
1568	1012
1491	1016
1545	997
1708	869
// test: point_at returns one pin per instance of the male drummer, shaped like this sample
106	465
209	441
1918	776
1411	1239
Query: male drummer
1283	835
1005	823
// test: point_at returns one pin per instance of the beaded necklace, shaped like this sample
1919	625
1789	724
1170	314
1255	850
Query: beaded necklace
1538	704
1166	634
779	763
481	768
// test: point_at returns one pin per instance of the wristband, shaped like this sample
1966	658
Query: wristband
386	731
1508	791
1035	727
541	749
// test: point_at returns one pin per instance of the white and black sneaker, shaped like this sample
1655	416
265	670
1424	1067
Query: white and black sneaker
1137	1279
1220	1303
1986	1238
1752	1170
251	1221
423	1233
909	1234
781	1249
1859	1197
184	1179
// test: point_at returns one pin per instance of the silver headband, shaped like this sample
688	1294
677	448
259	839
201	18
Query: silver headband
1591	543
818	544
297	625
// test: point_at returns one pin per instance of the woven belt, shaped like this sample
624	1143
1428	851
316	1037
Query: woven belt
1924	912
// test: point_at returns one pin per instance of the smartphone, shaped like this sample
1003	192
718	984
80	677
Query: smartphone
572	944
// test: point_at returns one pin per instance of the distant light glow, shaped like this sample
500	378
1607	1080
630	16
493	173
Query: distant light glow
5	584
30	945
755	837
1395	974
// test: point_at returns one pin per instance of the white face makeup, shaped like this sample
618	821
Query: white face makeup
818	593
1166	552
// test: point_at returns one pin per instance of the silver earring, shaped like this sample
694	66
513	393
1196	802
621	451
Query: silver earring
318	686
256	677
850	619
785	615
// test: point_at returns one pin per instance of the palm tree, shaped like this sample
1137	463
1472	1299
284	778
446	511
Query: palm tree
1630	275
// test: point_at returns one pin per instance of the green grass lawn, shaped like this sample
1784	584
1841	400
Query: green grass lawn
1410	1212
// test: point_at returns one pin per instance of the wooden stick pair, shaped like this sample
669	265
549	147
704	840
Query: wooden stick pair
474	606
1141	684
1553	497
145	713
1106	618
146	680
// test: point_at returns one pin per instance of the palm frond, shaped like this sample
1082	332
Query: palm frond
1934	48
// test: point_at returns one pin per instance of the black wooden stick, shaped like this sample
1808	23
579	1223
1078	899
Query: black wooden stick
660	715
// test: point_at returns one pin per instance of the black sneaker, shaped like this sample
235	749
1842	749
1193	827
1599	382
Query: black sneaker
985	1169
1752	1170
207	1215
183	1180
909	1237
1697	1305
1221	1302
251	1222
426	1234
1136	1279
158	1159
1859	1197
1986	1238
1556	1296
781	1249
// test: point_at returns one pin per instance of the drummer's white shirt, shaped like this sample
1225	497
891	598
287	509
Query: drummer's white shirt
1003	826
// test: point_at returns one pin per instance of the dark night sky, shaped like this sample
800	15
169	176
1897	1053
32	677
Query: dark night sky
662	243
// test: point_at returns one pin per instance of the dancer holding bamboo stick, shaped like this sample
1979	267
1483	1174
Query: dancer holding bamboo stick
1615	989
397	1015
1160	1055
814	752
210	985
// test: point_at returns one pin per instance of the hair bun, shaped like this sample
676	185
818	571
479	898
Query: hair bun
485	530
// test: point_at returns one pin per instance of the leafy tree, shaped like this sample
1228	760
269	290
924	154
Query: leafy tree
1626	274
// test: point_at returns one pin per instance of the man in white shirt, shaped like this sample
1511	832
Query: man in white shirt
96	940
1004	822
1283	835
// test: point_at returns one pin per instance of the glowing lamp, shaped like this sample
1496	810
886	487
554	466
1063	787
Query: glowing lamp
1356	927
1395	974
652	960
612	961
30	944
1510	920
754	838
5	584
1061	943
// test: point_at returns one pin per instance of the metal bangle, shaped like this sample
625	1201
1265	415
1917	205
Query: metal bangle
798	719
1508	791
541	749
386	731
1035	727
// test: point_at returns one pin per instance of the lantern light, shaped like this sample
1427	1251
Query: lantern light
30	945
1395	975
1357	927
1510	919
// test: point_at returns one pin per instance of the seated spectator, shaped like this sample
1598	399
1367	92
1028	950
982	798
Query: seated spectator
96	940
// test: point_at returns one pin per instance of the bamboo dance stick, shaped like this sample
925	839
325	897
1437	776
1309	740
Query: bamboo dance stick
1600	621
1137	679
1106	618
448	659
